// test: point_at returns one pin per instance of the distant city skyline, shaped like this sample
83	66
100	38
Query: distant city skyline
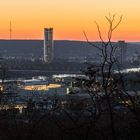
69	18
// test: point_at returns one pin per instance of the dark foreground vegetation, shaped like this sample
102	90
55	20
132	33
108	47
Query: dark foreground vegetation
69	123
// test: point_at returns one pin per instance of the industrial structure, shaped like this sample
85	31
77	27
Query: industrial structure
48	45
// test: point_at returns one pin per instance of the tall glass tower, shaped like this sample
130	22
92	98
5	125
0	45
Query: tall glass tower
48	45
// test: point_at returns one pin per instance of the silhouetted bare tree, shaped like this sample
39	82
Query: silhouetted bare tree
106	85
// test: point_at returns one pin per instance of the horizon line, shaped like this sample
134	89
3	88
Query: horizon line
66	40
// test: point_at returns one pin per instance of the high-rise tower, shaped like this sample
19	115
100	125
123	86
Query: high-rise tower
48	45
122	46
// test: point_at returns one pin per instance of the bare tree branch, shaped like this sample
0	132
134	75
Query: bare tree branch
100	35
92	44
117	23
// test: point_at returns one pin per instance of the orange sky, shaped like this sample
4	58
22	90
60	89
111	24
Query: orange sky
68	18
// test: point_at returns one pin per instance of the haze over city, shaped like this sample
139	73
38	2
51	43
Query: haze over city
69	18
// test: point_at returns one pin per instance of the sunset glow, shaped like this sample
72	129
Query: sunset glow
68	18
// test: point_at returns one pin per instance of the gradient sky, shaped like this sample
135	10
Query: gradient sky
68	18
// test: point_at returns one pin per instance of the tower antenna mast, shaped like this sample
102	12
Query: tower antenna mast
10	30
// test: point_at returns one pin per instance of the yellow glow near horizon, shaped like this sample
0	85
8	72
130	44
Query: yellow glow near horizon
68	18
41	87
